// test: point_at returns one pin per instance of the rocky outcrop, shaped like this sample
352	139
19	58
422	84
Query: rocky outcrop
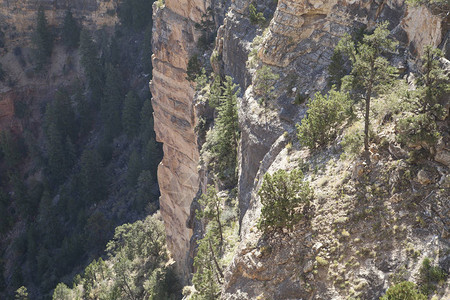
298	44
174	39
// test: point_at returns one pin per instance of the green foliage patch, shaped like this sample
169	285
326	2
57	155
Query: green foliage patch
283	195
325	115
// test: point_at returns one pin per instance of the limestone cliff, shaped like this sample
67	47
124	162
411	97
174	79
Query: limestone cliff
174	40
298	44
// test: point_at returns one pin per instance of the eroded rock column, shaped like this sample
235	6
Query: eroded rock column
174	40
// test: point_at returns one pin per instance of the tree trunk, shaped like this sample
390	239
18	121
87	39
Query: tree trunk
366	124
215	259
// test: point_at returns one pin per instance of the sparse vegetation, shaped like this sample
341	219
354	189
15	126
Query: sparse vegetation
403	291
283	195
325	115
255	16
371	72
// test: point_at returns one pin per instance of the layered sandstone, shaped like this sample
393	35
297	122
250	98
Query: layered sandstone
174	40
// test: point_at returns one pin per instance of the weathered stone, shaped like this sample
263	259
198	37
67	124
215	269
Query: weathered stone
443	156
308	267
397	151
175	118
424	177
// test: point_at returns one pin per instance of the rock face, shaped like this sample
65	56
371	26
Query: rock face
17	21
298	44
174	39
20	16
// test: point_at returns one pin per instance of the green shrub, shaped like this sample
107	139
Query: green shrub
353	139
255	16
417	129
324	116
429	276
403	291
281	195
193	68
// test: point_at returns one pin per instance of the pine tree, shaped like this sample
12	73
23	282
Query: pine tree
131	114
336	69
426	102
208	275
433	80
71	31
227	129
56	154
144	192
91	65
281	195
324	116
370	70
42	40
134	168
215	92
112	103
211	209
93	178
264	86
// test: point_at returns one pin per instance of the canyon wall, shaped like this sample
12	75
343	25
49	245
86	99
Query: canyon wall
18	18
174	40
17	23
298	44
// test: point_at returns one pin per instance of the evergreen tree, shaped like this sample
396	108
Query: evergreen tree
281	194
42	39
208	275
336	69
61	114
134	168
194	68
112	103
324	116
144	192
264	86
62	292
93	180
211	208
433	81
226	128
71	31
426	102
56	154
131	114
91	65
370	70
215	92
